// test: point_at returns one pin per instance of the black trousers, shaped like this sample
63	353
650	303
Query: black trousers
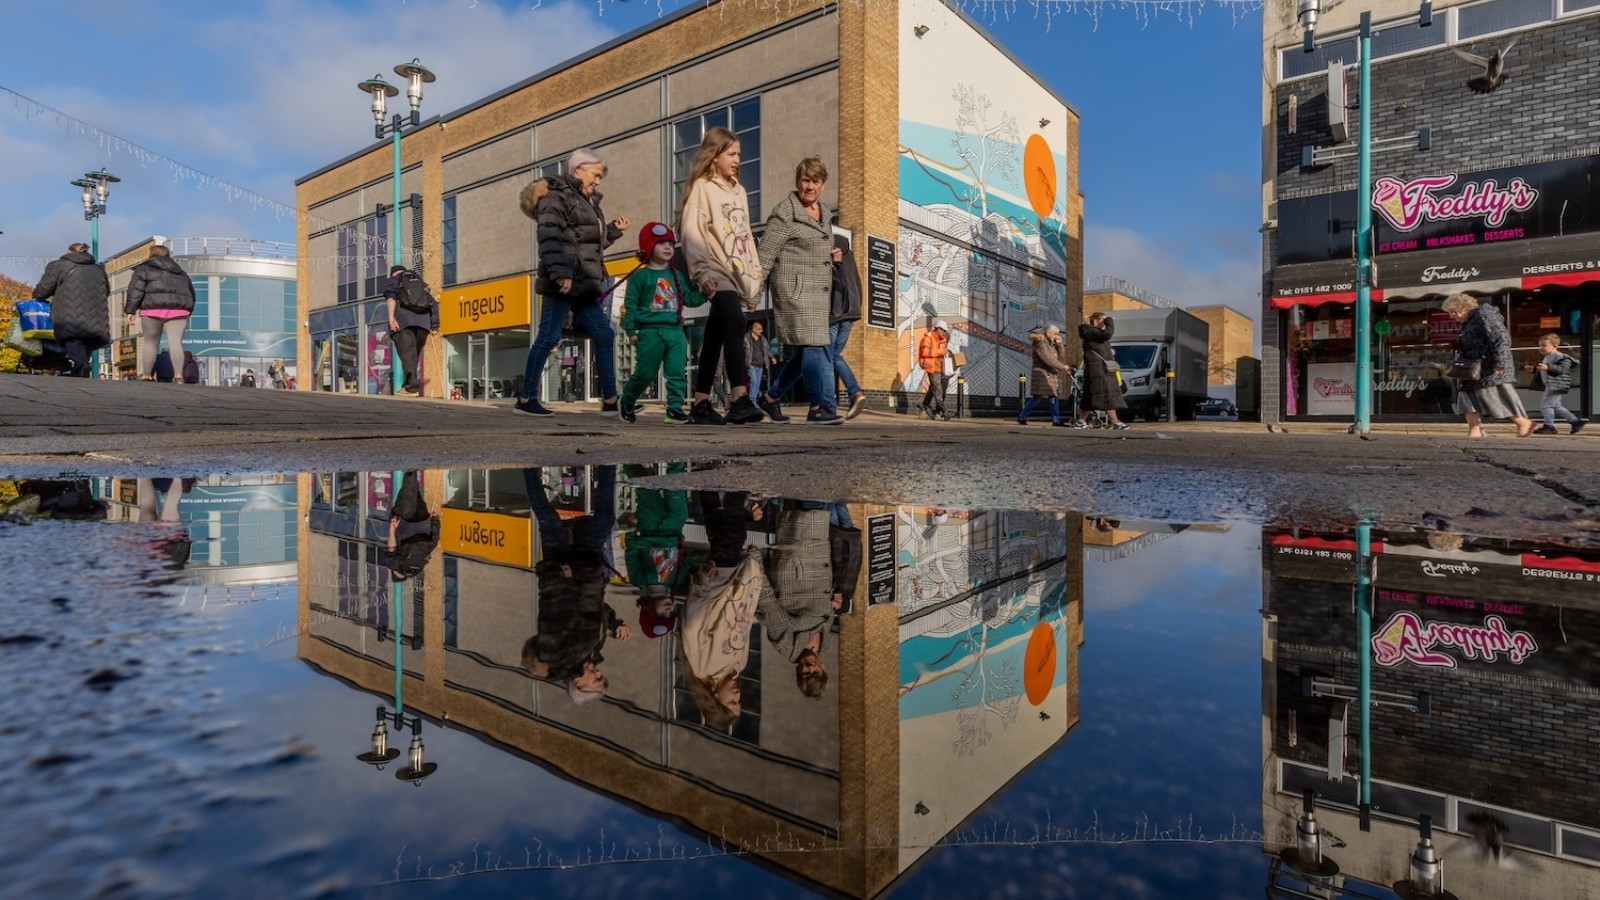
78	352
725	331
408	343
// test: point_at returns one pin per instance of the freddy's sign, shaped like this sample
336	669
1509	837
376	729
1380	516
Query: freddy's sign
1410	638
1405	205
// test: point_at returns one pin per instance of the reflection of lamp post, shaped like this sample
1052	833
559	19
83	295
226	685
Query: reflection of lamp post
416	75
96	188
382	754
1305	857
1427	870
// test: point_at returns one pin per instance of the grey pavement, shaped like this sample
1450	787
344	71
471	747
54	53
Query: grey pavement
1547	487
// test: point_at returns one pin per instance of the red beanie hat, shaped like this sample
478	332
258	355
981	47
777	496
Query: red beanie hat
652	625
652	234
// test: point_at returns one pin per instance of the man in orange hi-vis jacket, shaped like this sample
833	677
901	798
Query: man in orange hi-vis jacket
931	353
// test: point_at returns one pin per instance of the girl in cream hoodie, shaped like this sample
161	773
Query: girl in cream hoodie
714	224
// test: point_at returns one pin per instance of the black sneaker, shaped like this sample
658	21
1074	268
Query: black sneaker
773	411
675	417
1578	426
609	408
703	413
1545	429
627	410
744	411
530	407
857	404
820	416
1021	421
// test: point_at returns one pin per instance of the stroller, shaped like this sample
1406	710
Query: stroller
1094	418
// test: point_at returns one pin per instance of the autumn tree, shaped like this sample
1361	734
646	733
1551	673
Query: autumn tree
11	290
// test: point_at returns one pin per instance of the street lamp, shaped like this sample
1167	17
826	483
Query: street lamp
96	187
416	75
1308	12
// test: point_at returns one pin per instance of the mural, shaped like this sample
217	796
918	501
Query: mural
983	200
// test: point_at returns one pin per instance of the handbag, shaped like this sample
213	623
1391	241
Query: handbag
36	322
25	346
1465	369
1112	367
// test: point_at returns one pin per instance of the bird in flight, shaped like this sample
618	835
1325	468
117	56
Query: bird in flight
1494	68
1488	845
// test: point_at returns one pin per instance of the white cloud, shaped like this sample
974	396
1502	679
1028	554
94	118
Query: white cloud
1162	268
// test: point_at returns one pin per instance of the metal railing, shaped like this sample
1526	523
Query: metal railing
213	246
1113	283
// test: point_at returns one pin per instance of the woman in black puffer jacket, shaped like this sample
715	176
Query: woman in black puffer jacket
77	289
161	298
573	236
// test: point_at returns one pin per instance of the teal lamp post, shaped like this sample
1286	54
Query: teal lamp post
96	187
1308	12
416	75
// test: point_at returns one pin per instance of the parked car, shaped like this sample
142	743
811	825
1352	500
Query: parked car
1214	406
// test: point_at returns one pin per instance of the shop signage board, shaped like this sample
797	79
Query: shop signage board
487	536
881	559
880	282
486	306
1331	389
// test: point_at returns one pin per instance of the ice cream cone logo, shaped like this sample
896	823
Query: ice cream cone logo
1386	196
1407	638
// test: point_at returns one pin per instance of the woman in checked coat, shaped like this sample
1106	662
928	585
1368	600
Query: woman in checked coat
797	254
1049	368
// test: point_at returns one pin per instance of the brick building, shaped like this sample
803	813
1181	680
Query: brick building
995	252
1501	206
1500	636
875	773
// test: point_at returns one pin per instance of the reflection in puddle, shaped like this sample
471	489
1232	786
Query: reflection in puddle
581	671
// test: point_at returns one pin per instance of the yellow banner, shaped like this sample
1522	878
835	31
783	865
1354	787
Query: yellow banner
486	306
487	536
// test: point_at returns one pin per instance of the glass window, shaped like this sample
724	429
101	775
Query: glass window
375	249
202	298
447	248
1297	62
228	297
1389	40
745	116
349	250
1500	15
1575	5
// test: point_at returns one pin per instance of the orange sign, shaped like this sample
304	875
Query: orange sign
486	306
1040	176
1039	664
487	536
1549	323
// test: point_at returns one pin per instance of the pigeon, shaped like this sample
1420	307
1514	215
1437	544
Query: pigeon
1494	68
1275	428
920	809
1488	844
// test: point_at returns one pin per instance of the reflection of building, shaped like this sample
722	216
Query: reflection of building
241	527
1502	639
1511	221
875	773
1106	539
958	183
244	292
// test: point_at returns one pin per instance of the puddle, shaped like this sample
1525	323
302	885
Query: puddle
219	686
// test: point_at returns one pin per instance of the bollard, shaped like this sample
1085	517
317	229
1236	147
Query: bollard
1172	400
1022	392
961	397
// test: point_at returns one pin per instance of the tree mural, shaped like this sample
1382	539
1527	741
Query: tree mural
989	150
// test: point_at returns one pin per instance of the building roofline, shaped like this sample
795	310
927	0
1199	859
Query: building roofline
662	22
1226	306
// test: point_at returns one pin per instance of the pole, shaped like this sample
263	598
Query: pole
399	652
94	250
1364	652
1363	323
397	377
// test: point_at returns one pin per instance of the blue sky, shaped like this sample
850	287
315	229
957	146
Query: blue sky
259	92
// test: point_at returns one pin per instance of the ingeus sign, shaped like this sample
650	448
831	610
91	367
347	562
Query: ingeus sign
1405	205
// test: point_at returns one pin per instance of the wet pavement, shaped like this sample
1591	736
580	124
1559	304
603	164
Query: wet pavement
640	678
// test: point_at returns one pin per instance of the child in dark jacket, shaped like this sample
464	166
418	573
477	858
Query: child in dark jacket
652	317
1553	372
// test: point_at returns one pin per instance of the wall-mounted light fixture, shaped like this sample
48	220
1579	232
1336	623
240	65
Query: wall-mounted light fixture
920	30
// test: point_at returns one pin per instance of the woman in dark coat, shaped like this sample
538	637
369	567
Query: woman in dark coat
1101	390
160	298
1485	338
77	288
573	236
1049	367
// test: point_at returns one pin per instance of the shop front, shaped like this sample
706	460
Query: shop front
1526	240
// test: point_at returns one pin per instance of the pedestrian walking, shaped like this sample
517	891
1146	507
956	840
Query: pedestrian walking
1553	375
573	236
714	219
1050	368
1485	341
160	298
1102	377
844	313
191	368
279	379
77	288
797	254
413	315
248	379
757	356
933	355
652	318
164	370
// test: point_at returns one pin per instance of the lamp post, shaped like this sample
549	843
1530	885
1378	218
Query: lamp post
1308	12
96	187
416	75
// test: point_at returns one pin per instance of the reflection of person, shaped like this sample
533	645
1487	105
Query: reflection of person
799	609
1553	374
175	544
654	552
160	297
1101	390
797	255
574	620
573	236
714	220
844	552
1049	367
413	531
932	351
77	288
1485	338
716	633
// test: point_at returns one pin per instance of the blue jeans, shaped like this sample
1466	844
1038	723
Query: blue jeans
1552	405
590	318
840	332
814	365
755	381
1055	408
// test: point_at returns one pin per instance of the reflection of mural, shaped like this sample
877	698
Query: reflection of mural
983	202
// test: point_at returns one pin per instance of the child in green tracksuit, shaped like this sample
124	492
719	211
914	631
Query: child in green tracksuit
652	318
